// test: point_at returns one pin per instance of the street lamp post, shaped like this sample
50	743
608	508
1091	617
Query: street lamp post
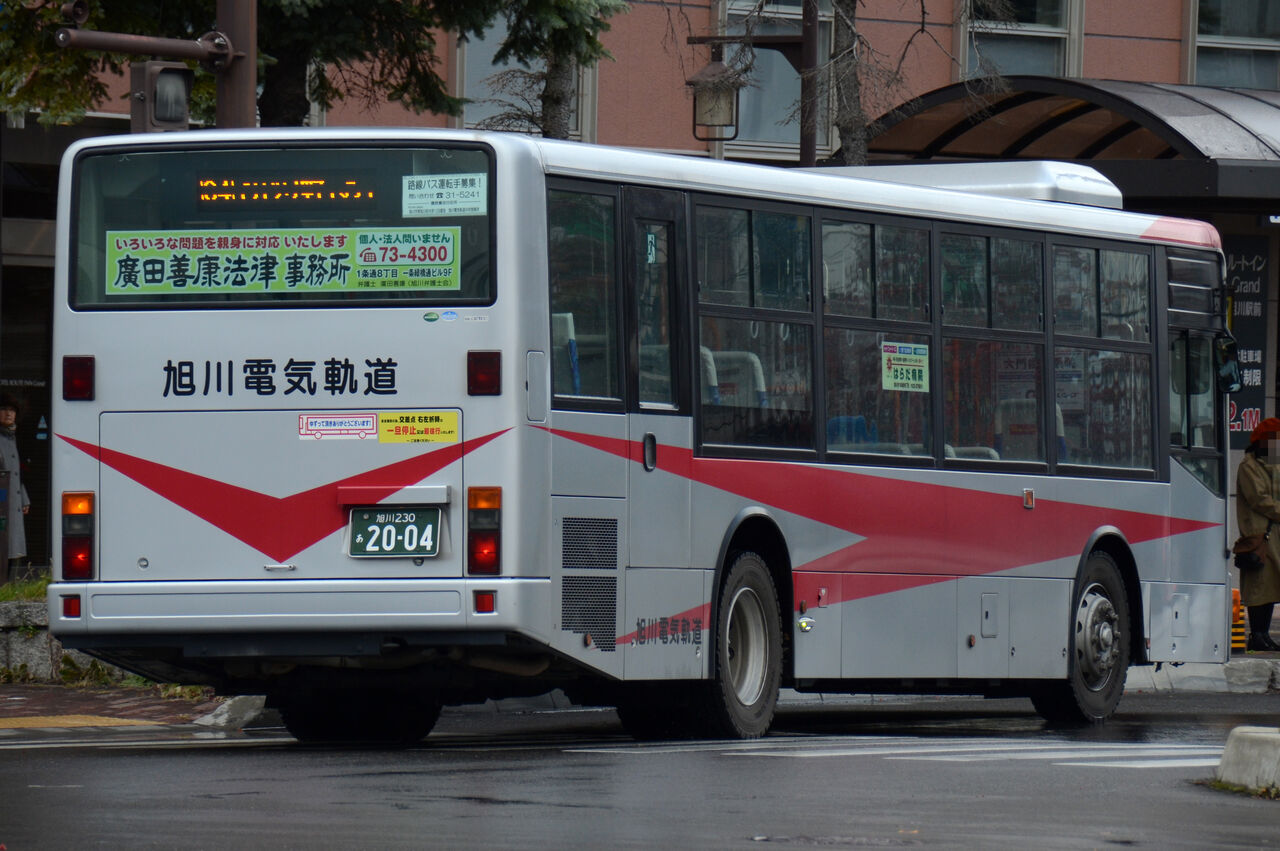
231	52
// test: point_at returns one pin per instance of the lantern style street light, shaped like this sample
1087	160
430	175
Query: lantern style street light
715	100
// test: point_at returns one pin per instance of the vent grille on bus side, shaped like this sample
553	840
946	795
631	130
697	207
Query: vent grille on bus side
588	606
590	543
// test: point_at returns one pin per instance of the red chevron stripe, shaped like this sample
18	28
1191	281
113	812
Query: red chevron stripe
301	519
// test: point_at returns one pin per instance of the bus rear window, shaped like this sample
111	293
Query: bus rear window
236	227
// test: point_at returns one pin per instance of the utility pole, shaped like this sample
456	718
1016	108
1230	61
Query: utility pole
230	51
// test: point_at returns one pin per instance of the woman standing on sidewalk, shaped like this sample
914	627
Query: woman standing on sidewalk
1257	508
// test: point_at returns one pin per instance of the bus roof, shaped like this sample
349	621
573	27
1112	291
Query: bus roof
1037	180
857	190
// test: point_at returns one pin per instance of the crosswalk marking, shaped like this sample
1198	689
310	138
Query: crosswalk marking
1059	751
1151	763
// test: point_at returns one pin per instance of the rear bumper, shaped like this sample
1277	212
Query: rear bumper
119	614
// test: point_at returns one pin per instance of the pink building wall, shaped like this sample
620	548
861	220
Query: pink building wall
642	99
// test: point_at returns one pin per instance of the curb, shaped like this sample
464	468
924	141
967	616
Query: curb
1252	759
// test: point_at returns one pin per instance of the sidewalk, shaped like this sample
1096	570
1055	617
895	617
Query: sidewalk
28	706
34	706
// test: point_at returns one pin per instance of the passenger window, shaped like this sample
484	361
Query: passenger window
584	316
994	400
1126	282
752	258
877	392
724	256
846	268
757	383
1075	291
1106	404
964	280
1017	285
782	251
902	273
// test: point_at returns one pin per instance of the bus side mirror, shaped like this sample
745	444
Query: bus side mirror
1226	364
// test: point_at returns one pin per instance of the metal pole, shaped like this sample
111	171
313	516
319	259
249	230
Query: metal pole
238	79
809	84
135	45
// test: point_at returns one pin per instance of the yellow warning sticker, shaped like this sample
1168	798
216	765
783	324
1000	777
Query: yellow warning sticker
418	427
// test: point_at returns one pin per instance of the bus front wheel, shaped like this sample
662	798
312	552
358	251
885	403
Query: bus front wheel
747	667
1099	648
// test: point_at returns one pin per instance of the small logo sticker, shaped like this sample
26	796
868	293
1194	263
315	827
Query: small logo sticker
431	317
449	315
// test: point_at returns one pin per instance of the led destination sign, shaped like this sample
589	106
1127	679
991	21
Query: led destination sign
275	191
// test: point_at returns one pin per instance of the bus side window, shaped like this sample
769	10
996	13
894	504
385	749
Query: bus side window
564	354
710	378
582	273
762	393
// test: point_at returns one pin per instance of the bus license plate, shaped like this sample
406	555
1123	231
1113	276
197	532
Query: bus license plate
402	530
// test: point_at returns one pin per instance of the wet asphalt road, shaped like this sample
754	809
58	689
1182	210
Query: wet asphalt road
930	773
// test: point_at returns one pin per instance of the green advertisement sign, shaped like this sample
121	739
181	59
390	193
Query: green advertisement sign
151	263
904	367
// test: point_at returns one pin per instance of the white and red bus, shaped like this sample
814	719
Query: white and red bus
376	421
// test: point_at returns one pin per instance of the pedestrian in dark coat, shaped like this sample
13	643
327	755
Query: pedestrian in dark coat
1257	505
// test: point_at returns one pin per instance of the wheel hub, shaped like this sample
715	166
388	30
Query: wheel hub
1097	638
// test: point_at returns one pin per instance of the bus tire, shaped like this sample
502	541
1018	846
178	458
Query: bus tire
364	717
1099	649
747	667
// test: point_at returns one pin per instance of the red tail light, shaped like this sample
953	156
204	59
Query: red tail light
77	378
484	373
484	531
77	557
71	606
486	602
77	535
482	548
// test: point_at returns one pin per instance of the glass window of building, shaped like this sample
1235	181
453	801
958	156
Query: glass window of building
1035	37
769	108
1238	43
500	96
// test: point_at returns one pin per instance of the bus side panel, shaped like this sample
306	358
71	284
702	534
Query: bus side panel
1038	639
581	470
907	633
983	626
1200	557
1187	623
667	624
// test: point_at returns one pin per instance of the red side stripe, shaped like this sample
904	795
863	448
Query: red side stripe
911	527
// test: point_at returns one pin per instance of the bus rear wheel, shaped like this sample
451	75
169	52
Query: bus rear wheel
739	701
1099	649
360	717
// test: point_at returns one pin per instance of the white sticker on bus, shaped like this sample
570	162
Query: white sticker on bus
444	195
337	426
